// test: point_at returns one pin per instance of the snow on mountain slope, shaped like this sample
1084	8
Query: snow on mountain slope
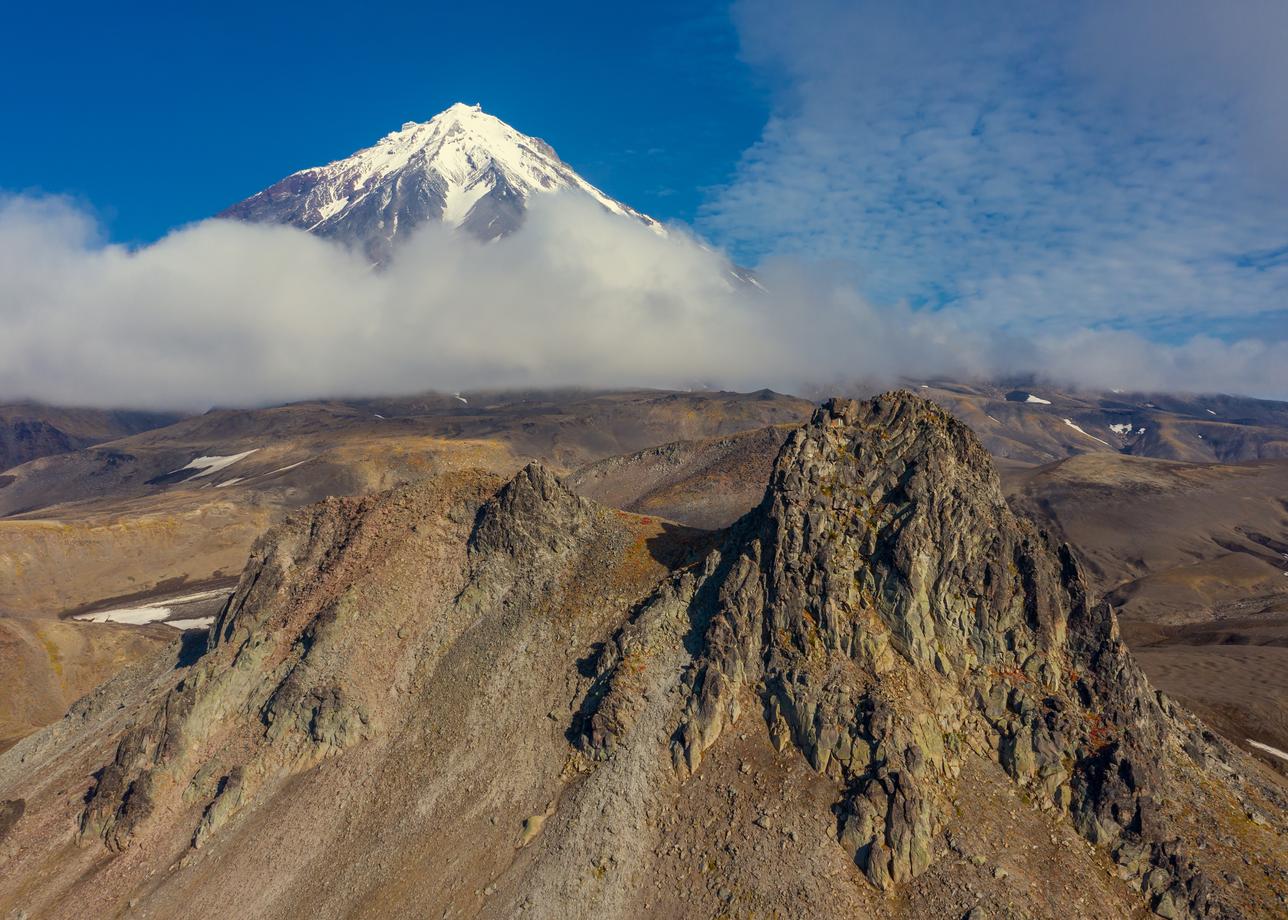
464	168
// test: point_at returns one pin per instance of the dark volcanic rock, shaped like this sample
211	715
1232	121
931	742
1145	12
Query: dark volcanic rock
888	613
10	814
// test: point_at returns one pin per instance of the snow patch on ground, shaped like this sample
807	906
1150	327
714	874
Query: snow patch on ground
332	208
150	613
461	398
1070	423
193	623
1209	412
1123	429
462	198
290	466
1037	399
134	616
1268	749
227	482
213	464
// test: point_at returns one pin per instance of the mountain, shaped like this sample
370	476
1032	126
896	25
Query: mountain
1038	424
1184	550
464	168
1193	556
31	430
880	693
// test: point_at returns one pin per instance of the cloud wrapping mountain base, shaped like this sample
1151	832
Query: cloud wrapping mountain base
236	314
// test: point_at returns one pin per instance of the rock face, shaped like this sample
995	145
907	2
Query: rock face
887	613
293	676
486	699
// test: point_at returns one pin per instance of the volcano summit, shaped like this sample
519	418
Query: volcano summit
463	167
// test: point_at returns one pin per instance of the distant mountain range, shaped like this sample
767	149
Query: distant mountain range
29	430
463	167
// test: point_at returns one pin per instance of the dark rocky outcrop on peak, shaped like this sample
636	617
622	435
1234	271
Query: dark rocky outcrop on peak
887	613
882	694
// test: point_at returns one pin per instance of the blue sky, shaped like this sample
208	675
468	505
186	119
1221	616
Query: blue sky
159	114
1037	166
1101	187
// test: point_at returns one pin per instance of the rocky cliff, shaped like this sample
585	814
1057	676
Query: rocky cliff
889	615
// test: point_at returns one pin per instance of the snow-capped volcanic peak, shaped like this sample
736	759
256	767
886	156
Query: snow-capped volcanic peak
470	151
463	167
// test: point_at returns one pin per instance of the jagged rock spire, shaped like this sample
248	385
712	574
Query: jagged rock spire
891	615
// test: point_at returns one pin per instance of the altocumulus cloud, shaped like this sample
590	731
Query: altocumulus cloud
235	314
1111	172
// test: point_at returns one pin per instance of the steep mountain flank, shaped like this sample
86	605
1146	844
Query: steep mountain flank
31	430
881	694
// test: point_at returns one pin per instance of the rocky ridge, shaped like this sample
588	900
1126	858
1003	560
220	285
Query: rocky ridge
887	613
292	676
904	645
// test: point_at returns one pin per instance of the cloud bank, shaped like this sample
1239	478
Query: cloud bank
223	313
236	314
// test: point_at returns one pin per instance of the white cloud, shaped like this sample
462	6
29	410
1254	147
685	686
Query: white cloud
226	313
230	313
1194	57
